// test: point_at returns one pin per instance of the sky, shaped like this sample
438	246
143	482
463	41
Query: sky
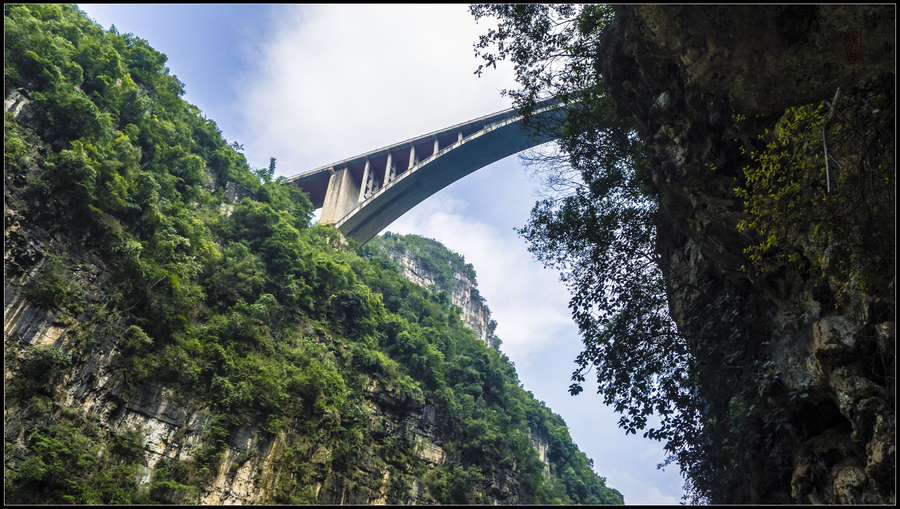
314	84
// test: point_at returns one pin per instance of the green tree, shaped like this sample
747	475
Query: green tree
597	226
550	46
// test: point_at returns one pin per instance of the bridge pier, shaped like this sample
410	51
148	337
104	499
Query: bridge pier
342	196
413	158
369	185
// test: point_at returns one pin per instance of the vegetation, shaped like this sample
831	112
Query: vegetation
845	203
67	466
241	308
598	226
437	260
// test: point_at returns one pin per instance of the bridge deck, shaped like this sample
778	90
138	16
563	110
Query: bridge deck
363	194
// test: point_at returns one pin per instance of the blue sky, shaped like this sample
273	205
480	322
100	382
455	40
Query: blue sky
311	85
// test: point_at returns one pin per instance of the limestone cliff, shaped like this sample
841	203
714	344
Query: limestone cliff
705	87
253	468
419	266
172	429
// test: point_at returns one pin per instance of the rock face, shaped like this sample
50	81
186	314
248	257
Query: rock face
461	287
251	467
683	74
172	428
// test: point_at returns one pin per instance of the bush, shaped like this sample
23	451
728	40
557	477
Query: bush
837	214
39	369
54	289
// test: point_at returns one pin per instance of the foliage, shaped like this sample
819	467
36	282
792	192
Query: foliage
476	393
436	259
67	466
601	237
551	47
42	367
53	289
843	209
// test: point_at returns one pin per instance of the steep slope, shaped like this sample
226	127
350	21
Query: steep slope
770	134
175	331
426	262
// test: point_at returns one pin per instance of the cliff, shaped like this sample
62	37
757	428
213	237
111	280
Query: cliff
425	262
793	327
157	438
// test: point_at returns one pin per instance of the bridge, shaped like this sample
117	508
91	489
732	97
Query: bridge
365	193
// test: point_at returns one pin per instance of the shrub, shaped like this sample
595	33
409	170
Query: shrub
39	369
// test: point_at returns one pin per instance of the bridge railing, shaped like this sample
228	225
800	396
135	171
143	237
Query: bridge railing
487	120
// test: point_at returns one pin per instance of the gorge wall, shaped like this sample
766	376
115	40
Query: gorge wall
809	375
169	430
416	261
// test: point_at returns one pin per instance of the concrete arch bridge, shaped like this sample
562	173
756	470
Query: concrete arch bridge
364	194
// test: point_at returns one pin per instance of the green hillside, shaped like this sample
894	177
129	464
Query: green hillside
121	238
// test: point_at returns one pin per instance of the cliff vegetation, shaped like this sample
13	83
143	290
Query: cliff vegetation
167	342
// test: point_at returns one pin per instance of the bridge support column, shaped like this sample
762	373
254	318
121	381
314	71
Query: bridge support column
341	197
369	183
413	160
390	172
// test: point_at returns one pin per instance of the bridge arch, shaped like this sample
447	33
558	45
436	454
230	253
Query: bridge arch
364	194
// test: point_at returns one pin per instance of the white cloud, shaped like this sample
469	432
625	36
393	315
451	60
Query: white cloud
337	81
528	303
652	496
332	82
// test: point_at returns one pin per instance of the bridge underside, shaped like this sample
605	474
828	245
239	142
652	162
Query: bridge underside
364	194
